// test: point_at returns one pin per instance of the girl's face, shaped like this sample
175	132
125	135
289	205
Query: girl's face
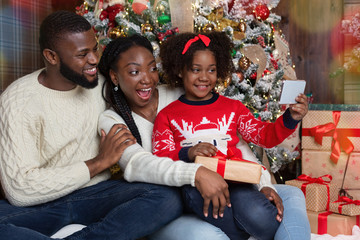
201	78
137	76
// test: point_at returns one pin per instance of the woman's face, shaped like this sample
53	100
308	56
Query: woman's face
137	76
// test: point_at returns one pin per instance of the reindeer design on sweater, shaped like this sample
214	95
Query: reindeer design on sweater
206	131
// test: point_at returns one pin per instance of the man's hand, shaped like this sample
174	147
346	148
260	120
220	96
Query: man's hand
112	146
202	149
275	198
212	188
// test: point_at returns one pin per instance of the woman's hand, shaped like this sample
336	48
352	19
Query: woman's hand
112	146
299	109
212	188
275	198
202	149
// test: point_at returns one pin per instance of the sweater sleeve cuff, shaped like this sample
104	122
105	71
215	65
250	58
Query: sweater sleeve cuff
183	154
289	122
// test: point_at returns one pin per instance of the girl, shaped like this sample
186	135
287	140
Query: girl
203	123
134	98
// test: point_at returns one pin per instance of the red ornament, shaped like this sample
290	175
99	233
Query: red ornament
262	12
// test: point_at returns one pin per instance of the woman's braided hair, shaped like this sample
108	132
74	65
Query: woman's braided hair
109	59
173	61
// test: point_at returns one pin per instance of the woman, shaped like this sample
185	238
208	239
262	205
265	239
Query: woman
131	90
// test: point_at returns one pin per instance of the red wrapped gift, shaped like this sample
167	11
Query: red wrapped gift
317	163
318	192
234	169
331	134
331	223
346	206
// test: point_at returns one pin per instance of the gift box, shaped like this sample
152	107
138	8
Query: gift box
319	192
234	170
331	223
345	206
317	163
335	130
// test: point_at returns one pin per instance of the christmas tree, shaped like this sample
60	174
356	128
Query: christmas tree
261	54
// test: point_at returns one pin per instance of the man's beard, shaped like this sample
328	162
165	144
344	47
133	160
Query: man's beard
78	79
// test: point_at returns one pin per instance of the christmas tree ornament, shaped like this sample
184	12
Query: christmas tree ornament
139	6
209	28
261	12
146	27
238	35
240	76
114	32
163	19
242	26
244	63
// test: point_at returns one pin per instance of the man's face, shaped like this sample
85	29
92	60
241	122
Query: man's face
73	76
78	54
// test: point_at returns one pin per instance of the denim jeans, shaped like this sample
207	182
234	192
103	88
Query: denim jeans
294	226
112	209
251	213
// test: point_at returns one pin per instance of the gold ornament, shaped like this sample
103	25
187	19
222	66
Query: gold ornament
238	35
209	28
114	32
242	26
146	27
244	63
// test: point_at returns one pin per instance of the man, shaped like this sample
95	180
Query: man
53	164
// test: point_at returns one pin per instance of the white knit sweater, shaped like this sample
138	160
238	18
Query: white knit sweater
45	137
138	162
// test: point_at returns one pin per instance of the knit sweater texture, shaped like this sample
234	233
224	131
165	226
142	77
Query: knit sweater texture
218	120
45	138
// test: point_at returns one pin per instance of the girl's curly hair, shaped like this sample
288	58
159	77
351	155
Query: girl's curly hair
173	61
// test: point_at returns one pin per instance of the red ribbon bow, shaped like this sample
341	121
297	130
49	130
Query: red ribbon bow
222	161
203	38
319	180
346	201
340	136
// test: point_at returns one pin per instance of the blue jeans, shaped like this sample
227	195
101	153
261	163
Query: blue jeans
294	226
112	209
251	213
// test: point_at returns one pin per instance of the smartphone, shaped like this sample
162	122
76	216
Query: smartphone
290	90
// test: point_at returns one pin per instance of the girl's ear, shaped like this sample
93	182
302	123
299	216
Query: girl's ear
113	77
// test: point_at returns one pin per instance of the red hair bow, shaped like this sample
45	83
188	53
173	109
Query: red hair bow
203	38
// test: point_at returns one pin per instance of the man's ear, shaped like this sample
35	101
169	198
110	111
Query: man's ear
113	77
50	56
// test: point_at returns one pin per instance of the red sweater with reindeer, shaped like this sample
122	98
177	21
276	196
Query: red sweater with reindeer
219	120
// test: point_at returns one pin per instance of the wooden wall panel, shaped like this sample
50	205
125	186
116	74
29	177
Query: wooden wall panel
310	27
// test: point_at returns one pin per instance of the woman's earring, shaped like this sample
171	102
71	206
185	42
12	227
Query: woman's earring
116	88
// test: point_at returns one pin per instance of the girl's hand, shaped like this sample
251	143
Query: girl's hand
299	109
202	149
